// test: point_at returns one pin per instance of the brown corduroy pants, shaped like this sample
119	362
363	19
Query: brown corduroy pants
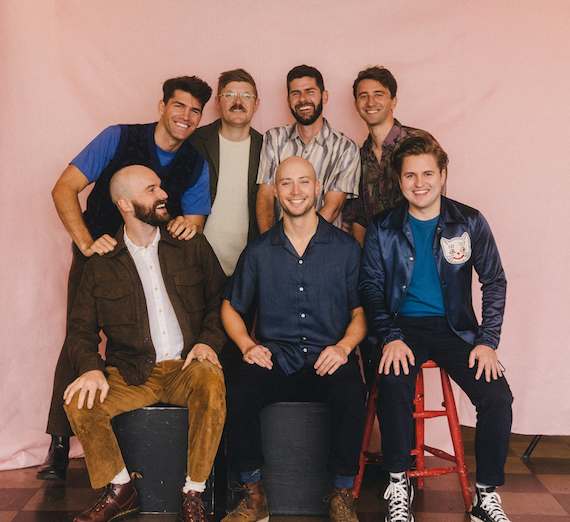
199	387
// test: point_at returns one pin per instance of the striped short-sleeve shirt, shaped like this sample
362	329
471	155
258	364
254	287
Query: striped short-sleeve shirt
335	157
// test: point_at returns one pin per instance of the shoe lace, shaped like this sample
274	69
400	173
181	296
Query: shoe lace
343	498
397	494
196	507
247	500
491	504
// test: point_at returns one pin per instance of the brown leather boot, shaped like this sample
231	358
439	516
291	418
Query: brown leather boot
252	507
193	508
342	506
119	501
57	460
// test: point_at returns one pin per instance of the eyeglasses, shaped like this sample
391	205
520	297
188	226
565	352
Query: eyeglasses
232	95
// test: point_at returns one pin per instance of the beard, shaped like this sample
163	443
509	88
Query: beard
309	119
149	215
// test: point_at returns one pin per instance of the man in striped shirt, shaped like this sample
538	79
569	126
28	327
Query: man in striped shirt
335	157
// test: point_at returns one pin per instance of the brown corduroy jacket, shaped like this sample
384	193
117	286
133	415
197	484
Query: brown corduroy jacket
111	298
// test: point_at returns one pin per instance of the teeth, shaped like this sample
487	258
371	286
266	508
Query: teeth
182	125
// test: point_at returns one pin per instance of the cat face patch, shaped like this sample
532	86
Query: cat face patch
456	250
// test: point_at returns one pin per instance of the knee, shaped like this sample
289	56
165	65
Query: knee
499	399
208	383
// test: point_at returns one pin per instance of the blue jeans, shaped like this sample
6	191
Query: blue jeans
432	338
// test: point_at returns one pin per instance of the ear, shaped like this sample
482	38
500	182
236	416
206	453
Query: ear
217	98
325	96
161	106
125	204
317	188
394	102
256	105
275	195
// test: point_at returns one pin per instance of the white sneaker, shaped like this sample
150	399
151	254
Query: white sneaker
399	494
487	506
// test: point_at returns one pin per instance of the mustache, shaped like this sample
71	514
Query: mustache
237	107
161	202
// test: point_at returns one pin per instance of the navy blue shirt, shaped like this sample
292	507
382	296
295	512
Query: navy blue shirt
304	302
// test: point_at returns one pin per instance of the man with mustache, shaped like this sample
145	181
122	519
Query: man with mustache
334	156
162	146
232	149
157	299
302	275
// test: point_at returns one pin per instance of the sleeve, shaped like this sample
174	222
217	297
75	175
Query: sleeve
242	287
347	172
487	264
372	289
268	161
196	200
97	155
82	340
212	333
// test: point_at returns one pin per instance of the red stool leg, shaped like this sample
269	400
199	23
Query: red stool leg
419	421
456	438
369	424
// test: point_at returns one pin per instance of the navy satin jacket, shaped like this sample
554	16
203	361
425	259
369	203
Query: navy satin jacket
462	241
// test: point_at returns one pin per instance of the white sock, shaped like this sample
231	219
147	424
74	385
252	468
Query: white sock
194	486
122	478
398	476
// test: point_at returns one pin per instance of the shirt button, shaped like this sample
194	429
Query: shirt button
145	340
300	261
301	289
304	338
411	258
403	287
305	350
303	316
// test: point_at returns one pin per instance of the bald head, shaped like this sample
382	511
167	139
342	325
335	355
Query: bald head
297	165
128	181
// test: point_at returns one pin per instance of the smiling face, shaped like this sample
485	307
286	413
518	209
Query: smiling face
237	113
148	199
296	186
306	100
422	182
374	102
179	118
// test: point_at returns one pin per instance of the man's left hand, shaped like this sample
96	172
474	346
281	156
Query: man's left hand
331	359
202	352
182	228
487	361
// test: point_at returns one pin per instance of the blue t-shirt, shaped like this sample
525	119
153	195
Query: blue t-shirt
97	155
304	302
424	297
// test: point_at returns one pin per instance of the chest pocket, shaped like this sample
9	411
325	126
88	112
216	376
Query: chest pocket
115	304
189	288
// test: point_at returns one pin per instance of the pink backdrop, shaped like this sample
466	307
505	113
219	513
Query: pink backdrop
489	79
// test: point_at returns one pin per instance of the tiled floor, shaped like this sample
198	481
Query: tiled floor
536	490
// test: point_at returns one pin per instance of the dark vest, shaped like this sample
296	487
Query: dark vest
137	147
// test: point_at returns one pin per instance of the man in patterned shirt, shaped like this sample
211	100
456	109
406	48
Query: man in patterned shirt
333	155
375	100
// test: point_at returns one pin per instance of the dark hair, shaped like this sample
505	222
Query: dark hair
236	75
380	74
421	143
190	84
301	71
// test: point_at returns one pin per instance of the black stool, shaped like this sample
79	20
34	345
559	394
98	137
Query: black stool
154	443
296	446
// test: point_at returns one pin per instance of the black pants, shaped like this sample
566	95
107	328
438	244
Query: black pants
252	388
64	372
432	338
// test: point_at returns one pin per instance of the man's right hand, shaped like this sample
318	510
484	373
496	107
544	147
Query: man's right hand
259	355
100	246
396	353
87	385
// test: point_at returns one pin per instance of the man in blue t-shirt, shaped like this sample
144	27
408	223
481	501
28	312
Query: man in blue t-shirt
415	286
162	147
303	276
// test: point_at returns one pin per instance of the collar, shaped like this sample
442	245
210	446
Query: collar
320	138
449	213
135	249
322	235
163	236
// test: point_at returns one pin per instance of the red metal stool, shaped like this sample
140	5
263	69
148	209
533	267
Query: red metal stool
420	414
